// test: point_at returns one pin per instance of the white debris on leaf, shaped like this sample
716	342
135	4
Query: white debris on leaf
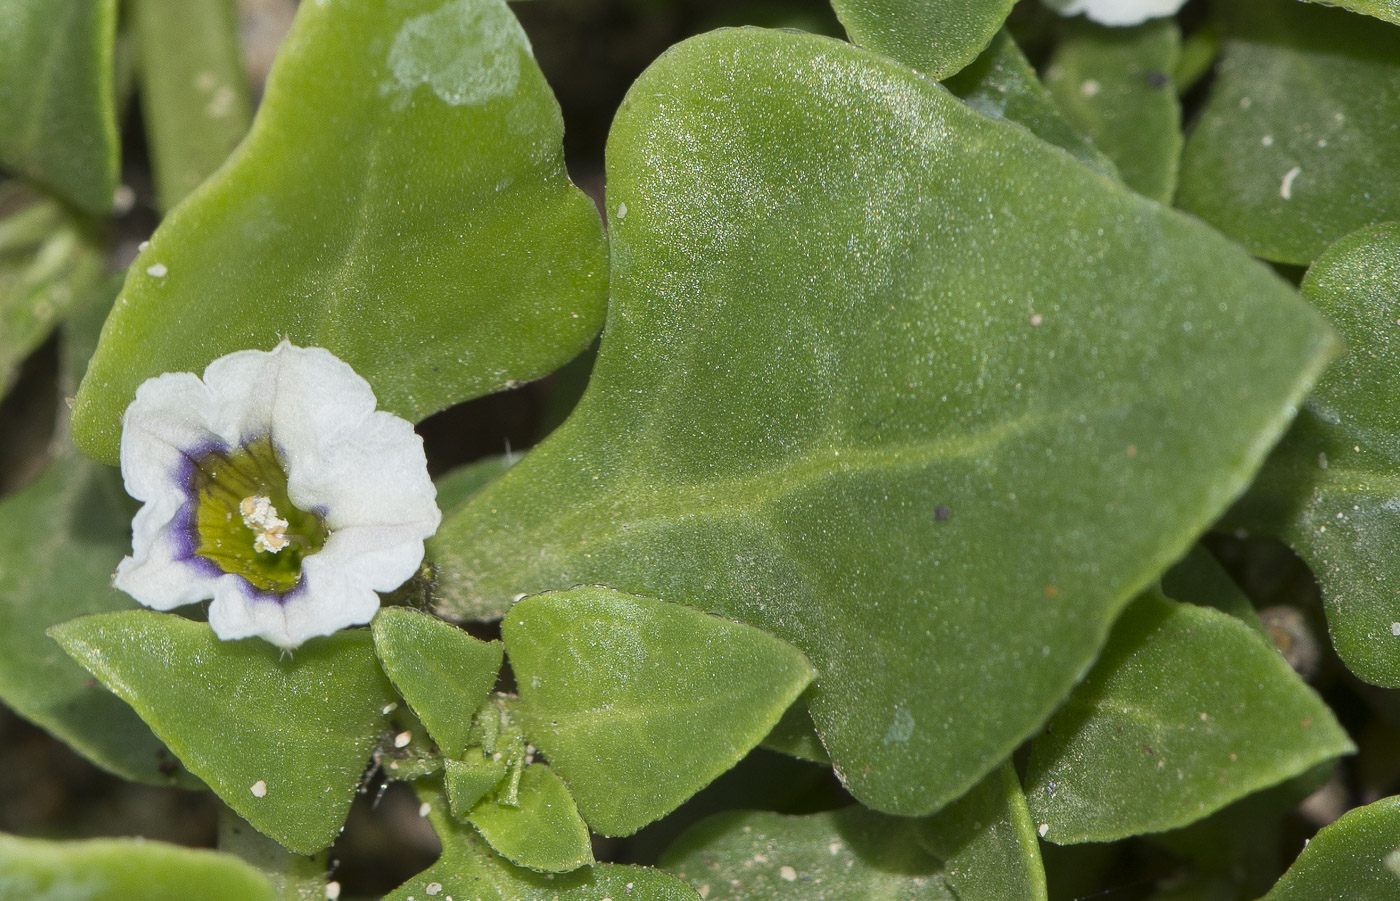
259	789
360	471
1285	189
1117	12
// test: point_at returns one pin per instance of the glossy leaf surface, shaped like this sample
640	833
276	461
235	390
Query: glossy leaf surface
1187	710
49	261
1331	489
442	672
541	830
58	119
120	869
195	100
401	201
61	537
469	869
1115	86
1002	84
750	855
639	703
1024	383
282	739
1299	141
1356	858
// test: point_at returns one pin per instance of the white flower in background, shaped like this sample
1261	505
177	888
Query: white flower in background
275	489
1117	12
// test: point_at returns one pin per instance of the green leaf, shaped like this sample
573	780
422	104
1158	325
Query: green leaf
1245	838
1297	144
987	842
401	201
60	539
1115	86
80	332
1388	10
195	101
49	263
1002	84
1199	51
1331	489
442	672
282	738
406	762
1356	858
292	876
456	487
119	869
469	870
750	855
469	780
796	735
58	119
937	38
1187	710
639	703
1198	578
905	343
541	830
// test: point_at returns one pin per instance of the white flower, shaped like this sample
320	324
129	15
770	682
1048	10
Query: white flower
275	489
1117	12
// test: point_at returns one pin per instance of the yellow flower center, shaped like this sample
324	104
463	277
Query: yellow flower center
245	522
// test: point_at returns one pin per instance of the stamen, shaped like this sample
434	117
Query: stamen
260	516
244	521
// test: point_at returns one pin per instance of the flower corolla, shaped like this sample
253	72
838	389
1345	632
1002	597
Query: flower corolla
273	488
1117	12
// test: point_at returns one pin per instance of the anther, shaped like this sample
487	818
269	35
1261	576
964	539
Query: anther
260	516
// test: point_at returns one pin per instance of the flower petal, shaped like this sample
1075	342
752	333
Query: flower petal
162	571
304	397
380	557
167	424
1120	12
240	611
328	600
335	598
377	477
